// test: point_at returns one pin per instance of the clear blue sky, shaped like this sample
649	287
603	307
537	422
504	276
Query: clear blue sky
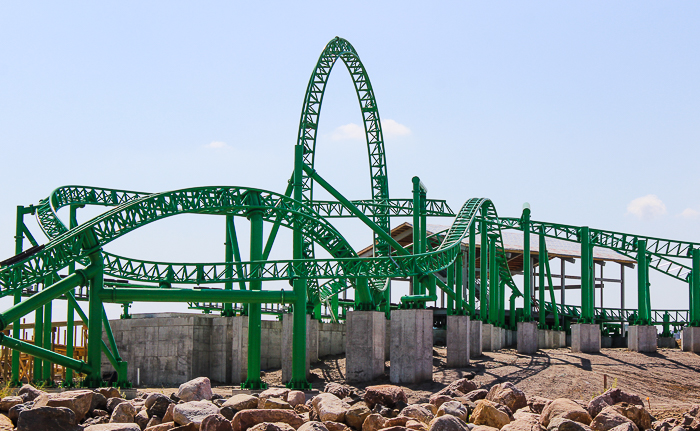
580	108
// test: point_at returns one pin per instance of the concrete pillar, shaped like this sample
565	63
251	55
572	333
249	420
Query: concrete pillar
387	340
474	338
497	338
311	344
666	343
585	338
411	346
365	345
527	338
558	339
458	341
545	339
486	330
641	338
690	339
239	349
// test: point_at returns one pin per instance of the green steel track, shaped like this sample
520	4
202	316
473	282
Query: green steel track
74	255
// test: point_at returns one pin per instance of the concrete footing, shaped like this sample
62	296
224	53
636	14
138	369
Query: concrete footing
493	338
558	339
666	343
411	346
474	338
585	338
486	329
550	339
690	339
527	338
365	345
641	338
287	344
457	341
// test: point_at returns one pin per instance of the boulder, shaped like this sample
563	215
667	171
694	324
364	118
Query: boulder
78	401
165	426
537	404
157	405
193	411
447	423
195	390
8	402
295	398
627	427
6	424
564	408
215	423
313	426
245	419
395	428
561	424
113	427
487	413
386	395
608	419
141	419
337	389
476	395
483	428
280	393
328	407
612	397
14	412
108	392
271	426
169	414
373	422
522	426
398	421
416	425
29	393
47	419
356	415
112	403
336	426
123	413
458	388
438	399
523	415
153	421
189	427
508	395
99	401
635	413
237	403
275	403
431	407
454	408
418	413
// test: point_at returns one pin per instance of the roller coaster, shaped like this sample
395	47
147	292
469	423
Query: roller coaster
74	256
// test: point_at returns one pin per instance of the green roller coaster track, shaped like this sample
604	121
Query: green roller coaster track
46	272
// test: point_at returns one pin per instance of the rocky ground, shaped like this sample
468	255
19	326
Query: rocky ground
554	390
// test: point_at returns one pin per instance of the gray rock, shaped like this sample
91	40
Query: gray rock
113	427
47	419
123	413
193	411
29	392
215	423
195	390
157	405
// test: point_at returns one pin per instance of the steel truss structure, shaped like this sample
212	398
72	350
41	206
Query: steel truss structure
74	256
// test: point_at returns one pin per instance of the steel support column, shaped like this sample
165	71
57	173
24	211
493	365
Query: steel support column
644	312
527	265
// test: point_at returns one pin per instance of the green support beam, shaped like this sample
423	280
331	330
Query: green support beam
527	265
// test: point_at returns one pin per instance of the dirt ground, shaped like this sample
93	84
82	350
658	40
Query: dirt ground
669	378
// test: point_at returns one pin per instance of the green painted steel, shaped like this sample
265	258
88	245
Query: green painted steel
315	281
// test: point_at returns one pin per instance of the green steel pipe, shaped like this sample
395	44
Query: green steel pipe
47	366
459	287
552	298
417	239
70	312
276	225
451	285
50	293
423	227
359	214
587	311
527	265
298	380
38	338
110	336
95	310
254	310
38	352
511	318
493	282
501	302
695	289
483	276
19	246
472	270
228	258
542	324
644	317
76	306
120	295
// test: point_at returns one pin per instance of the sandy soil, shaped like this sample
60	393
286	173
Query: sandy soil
669	378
